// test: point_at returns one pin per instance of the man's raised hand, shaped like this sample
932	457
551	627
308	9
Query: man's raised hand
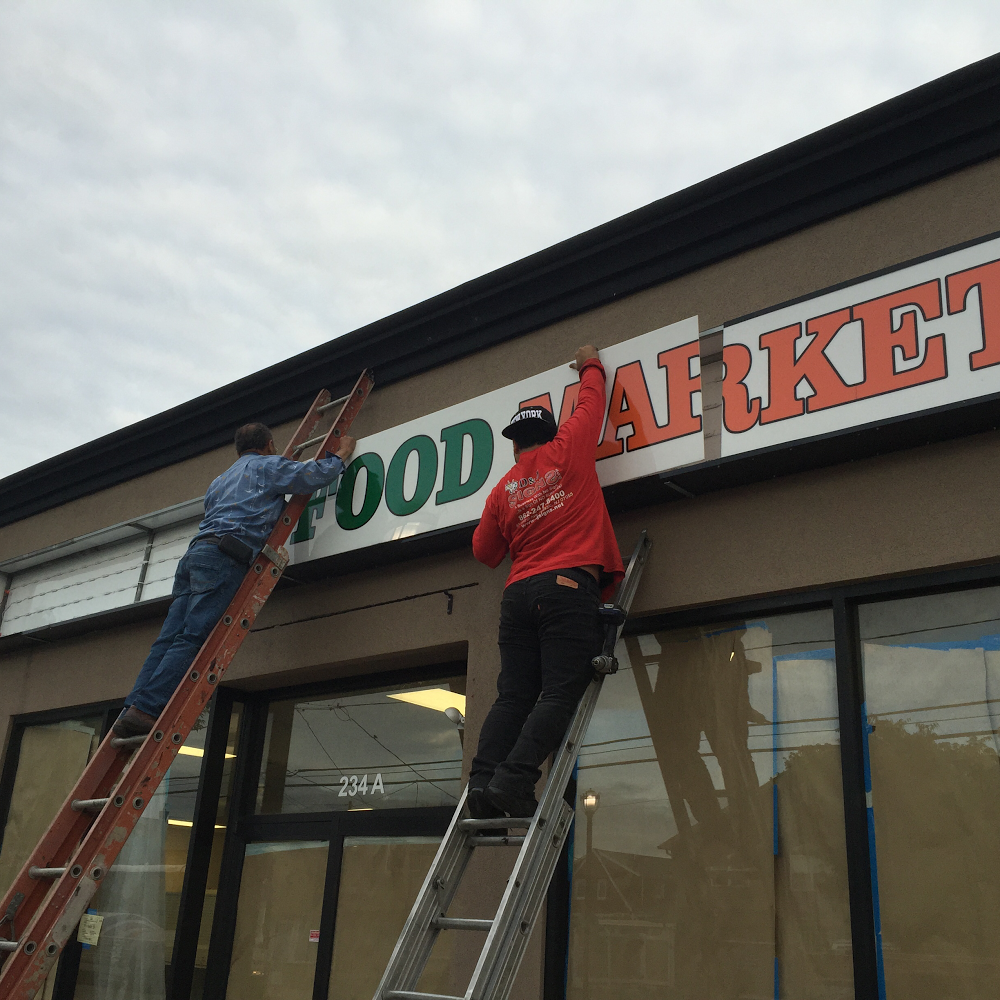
583	354
346	448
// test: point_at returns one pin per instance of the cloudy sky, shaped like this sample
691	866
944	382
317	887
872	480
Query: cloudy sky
192	191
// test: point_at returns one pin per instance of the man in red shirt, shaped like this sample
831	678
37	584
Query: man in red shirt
548	511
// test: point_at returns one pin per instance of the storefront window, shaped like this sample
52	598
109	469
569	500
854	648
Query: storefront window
709	857
379	880
50	759
381	749
932	684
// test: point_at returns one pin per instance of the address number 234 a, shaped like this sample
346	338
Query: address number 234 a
355	784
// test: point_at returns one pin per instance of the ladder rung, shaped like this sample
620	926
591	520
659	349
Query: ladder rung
8	945
89	805
127	742
35	872
496	841
334	403
305	444
411	995
461	924
493	824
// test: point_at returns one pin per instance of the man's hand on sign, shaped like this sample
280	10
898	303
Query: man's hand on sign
346	448
583	354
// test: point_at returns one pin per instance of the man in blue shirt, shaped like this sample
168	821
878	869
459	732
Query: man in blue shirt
241	507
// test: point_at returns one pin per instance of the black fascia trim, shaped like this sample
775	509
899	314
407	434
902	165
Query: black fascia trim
933	130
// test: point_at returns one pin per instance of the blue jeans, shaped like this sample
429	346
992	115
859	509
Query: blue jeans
204	584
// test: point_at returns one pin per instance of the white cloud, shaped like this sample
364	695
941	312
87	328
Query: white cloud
189	192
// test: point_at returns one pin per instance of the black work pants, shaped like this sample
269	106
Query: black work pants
549	632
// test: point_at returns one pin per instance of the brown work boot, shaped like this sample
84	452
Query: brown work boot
133	723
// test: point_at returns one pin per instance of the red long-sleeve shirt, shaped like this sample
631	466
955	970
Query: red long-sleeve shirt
549	511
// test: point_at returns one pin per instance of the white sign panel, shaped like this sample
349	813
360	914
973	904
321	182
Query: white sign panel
436	472
923	336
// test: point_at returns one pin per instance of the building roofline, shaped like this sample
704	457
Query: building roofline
935	129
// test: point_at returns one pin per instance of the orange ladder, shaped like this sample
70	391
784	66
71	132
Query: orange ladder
44	905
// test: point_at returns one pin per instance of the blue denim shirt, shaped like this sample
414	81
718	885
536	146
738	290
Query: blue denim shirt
247	499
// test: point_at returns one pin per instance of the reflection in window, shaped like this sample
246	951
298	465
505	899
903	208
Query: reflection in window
932	684
380	749
709	858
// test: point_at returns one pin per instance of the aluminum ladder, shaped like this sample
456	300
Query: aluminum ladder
508	932
44	905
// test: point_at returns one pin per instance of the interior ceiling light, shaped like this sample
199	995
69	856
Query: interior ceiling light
435	698
198	752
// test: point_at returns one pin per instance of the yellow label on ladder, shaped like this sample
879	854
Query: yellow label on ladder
90	928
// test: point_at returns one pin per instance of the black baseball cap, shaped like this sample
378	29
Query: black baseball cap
529	416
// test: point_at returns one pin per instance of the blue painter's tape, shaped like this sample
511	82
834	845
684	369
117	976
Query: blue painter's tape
872	859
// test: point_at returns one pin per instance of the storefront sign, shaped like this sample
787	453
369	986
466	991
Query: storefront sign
920	337
436	471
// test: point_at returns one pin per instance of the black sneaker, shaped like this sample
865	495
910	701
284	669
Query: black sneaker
517	805
480	807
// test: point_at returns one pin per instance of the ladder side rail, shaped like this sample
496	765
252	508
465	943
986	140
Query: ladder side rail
501	955
413	947
352	404
526	910
633	574
525	891
110	828
510	913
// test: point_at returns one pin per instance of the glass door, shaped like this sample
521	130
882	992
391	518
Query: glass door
278	921
379	880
